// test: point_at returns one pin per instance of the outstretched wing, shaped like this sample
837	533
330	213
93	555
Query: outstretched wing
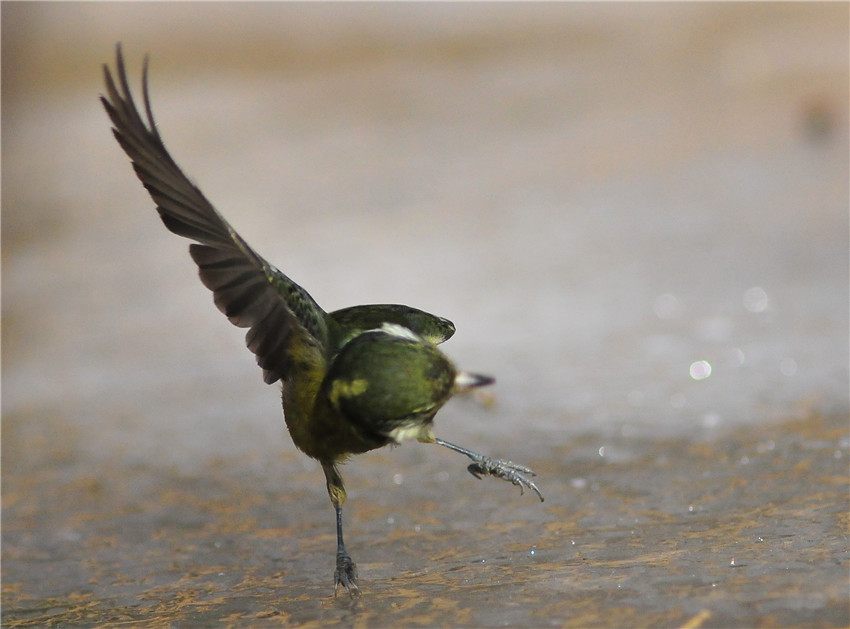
281	315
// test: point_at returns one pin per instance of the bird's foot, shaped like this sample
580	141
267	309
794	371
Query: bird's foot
506	470
346	575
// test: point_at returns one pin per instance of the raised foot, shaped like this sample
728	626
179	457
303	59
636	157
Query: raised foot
506	470
346	575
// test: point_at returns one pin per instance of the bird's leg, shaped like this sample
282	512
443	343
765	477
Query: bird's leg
346	570
506	470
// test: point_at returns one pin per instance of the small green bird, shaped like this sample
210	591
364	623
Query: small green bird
353	380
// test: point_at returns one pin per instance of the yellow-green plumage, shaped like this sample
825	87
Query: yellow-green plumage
352	380
393	381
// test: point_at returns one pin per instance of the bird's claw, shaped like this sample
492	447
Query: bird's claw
346	575
506	470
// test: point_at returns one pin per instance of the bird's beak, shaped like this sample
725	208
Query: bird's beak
465	381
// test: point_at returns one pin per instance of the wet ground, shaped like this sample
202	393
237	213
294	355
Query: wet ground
748	530
636	215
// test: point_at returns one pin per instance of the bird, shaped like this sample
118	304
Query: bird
352	380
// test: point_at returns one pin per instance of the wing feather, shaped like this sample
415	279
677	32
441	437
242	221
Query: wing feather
283	319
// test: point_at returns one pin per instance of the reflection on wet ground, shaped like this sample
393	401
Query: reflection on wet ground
645	244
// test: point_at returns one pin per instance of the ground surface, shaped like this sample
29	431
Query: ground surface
636	215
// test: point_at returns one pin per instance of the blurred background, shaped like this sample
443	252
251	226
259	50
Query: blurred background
635	214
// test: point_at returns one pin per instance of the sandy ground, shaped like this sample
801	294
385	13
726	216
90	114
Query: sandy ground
636	215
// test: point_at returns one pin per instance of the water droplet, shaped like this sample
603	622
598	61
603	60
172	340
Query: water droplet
755	299
398	479
788	366
700	370
602	451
